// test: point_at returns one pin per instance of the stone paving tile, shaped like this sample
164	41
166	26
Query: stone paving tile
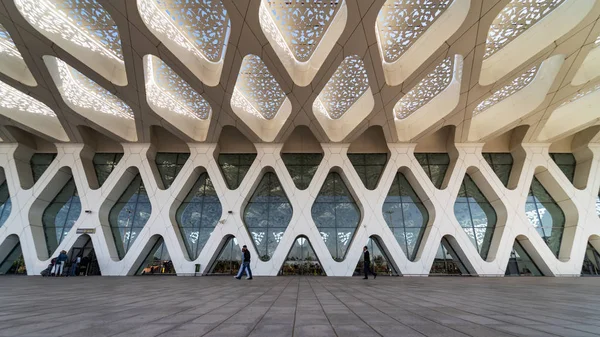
299	306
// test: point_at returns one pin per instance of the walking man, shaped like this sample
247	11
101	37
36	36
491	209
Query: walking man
367	264
245	264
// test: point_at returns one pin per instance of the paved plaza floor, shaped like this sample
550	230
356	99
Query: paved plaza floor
299	306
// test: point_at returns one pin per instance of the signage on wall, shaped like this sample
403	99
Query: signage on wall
86	230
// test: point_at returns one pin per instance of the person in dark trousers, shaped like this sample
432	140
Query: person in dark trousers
367	264
60	263
245	264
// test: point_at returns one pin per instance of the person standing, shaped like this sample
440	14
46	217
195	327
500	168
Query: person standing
367	264
245	264
60	262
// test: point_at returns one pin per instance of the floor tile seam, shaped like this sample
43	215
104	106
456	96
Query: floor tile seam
207	332
321	304
323	310
263	315
512	313
430	320
431	309
296	308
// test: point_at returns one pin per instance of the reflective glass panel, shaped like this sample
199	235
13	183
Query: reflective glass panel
545	215
302	167
380	263
198	215
5	203
129	215
520	263
229	260
435	166
14	262
104	164
234	167
369	167
301	260
591	262
336	214
406	215
60	215
39	164
566	163
169	165
475	215
267	215
501	163
447	262
158	261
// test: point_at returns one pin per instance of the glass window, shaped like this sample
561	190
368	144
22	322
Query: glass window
13	263
129	215
501	163
566	163
234	167
60	215
301	260
158	261
520	263
435	166
475	215
267	215
369	167
39	164
406	215
380	263
545	215
336	214
5	203
591	262
169	165
302	167
198	215
229	260
447	262
104	164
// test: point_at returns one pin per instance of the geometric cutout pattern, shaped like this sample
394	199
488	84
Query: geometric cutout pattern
369	167
235	167
158	261
39	164
169	165
13	263
520	263
229	259
435	166
447	262
302	167
380	263
566	163
501	94
591	262
301	260
501	163
545	215
104	164
60	215
5	203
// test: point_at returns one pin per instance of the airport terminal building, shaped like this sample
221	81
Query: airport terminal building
450	137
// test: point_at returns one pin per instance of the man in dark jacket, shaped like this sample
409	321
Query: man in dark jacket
245	264
367	263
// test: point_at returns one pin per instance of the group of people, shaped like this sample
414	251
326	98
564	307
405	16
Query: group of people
245	266
57	266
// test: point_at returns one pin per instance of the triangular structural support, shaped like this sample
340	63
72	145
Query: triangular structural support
158	261
520	263
591	262
302	260
11	257
83	255
380	263
229	259
447	261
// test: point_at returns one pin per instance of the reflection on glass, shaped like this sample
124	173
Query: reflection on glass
129	215
104	164
475	215
60	215
301	260
545	215
591	262
234	167
435	166
158	261
520	263
302	167
336	215
267	215
5	203
380	263
447	262
229	260
406	215
369	167
88	265
198	215
14	262
39	164
501	163
169	165
566	163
